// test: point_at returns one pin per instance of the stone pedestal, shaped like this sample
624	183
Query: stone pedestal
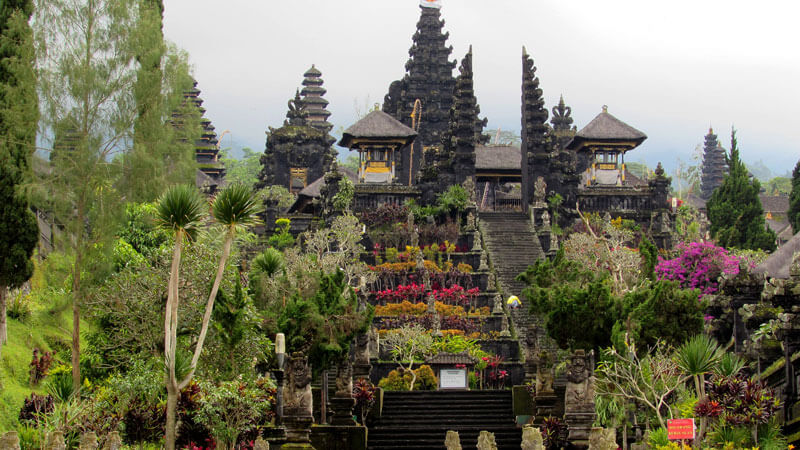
603	439
361	371
544	405
339	437
343	411
580	427
298	431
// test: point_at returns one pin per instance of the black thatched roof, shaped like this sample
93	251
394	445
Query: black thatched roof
774	203
377	124
605	127
313	189
778	264
497	157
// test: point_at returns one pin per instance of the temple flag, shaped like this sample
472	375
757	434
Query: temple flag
431	4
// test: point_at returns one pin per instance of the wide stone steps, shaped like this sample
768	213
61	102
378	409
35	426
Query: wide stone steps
513	246
420	420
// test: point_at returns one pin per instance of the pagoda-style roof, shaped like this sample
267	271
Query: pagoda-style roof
377	125
606	129
497	157
779	262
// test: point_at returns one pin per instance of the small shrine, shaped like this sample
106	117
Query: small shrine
381	142
601	146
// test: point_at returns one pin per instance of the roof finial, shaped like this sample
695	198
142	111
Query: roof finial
524	51
605	108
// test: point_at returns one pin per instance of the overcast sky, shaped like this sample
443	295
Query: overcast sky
670	69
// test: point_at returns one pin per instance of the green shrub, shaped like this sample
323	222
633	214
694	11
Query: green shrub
658	438
19	307
400	380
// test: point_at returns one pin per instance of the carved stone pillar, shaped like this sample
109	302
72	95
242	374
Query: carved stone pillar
297	403
343	402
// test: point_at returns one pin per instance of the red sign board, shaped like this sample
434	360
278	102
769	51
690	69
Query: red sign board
680	429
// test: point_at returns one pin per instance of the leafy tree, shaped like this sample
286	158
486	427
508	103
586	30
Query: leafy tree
324	324
410	344
734	209
85	82
19	113
649	378
661	311
778	186
794	200
163	146
244	170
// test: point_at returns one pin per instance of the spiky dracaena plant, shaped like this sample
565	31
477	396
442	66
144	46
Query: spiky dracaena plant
179	211
233	208
697	357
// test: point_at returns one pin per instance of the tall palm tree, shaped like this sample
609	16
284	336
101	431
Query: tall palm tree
234	208
179	210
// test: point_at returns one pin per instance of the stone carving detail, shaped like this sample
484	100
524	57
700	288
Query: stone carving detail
484	262
498	304
471	222
486	441
88	441
260	444
113	441
361	351
539	192
297	394
545	220
544	374
10	441
452	441
532	439
54	441
579	395
344	379
603	439
469	186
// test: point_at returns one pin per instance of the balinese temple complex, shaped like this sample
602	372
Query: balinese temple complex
429	136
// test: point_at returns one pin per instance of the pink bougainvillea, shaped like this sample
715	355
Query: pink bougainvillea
698	266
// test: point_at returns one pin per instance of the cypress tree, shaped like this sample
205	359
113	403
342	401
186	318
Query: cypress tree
19	114
794	200
735	211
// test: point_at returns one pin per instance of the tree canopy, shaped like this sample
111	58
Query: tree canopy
735	211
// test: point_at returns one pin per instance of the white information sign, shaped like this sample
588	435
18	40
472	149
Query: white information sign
453	379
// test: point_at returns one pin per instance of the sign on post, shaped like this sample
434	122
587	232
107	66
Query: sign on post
680	429
453	379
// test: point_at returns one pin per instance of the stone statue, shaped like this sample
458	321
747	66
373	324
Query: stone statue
426	279
666	226
361	351
498	304
484	262
113	441
374	346
452	441
420	261
539	191
344	379
260	444
579	396
10	441
603	439
532	438
469	186
504	331
476	242
544	374
471	223
54	441
297	392
486	441
88	441
491	282
545	220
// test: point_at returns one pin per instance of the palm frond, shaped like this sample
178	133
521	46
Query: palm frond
699	355
235	205
729	365
180	207
269	262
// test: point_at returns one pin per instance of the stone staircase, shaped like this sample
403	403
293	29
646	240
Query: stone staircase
512	246
420	420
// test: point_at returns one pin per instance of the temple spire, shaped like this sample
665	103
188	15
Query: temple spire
313	101
715	166
563	130
535	152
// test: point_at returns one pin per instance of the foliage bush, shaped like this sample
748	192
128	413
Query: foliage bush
35	408
231	408
698	266
18	307
281	238
400	379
